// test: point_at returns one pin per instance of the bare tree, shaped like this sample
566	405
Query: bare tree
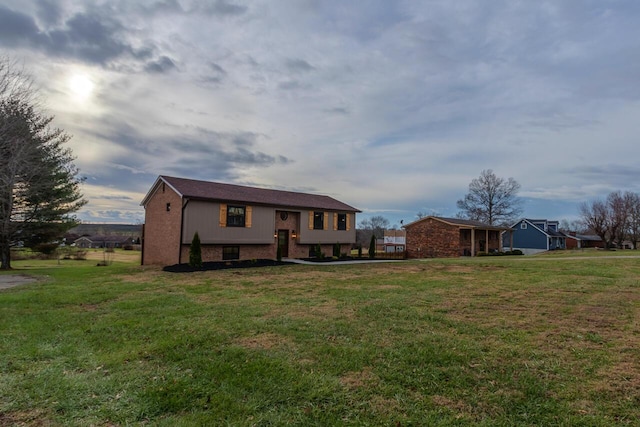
633	224
618	218
376	225
491	199
38	185
571	226
595	215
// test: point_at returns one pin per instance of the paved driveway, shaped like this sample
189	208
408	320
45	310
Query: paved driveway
10	280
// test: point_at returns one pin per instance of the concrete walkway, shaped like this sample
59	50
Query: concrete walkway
327	263
10	280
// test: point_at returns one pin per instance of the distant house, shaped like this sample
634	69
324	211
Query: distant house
590	241
535	235
239	222
435	237
572	241
394	241
103	241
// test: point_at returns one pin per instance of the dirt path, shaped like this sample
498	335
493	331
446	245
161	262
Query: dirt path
10	280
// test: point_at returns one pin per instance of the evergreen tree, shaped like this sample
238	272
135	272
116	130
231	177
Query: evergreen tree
372	247
39	187
195	252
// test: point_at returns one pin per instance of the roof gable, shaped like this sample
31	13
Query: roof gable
549	232
206	190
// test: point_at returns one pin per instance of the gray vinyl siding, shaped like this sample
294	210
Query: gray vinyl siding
204	217
328	236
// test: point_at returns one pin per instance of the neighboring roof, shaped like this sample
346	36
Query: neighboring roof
554	233
99	238
570	236
206	190
463	223
589	237
549	232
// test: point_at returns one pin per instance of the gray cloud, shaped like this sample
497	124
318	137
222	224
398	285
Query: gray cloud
221	7
298	66
92	37
163	64
16	28
49	12
425	95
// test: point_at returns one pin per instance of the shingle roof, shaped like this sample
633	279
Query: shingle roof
589	237
462	223
206	190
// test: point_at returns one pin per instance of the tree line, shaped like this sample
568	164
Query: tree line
493	200
615	219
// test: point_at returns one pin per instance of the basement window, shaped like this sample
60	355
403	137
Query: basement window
230	252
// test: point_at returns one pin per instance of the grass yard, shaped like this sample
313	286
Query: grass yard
484	341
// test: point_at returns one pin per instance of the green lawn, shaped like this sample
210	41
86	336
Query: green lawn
484	341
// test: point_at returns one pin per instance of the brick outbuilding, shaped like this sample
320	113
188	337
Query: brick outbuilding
437	237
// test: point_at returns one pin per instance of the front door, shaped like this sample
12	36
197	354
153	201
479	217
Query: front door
283	242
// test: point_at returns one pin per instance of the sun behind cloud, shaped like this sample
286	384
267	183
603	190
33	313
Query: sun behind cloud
81	86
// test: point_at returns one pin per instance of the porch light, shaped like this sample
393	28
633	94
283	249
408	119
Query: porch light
293	234
275	234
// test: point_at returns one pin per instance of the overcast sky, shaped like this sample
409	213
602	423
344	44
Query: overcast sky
390	106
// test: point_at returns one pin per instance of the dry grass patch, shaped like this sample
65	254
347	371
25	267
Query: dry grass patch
364	378
264	341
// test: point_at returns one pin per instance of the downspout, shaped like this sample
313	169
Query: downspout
184	205
142	246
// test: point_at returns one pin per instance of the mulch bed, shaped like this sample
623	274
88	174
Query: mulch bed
222	265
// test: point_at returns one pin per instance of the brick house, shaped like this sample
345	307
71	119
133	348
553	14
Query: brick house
100	241
437	237
239	222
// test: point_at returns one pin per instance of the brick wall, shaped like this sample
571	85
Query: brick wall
214	252
162	227
431	238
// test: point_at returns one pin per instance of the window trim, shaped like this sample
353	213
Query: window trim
230	209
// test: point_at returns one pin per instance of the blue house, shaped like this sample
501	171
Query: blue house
534	235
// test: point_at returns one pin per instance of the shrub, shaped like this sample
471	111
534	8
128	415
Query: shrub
336	250
46	248
279	253
318	251
195	252
372	247
359	251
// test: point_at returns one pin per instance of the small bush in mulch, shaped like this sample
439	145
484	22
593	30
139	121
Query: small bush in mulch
221	265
